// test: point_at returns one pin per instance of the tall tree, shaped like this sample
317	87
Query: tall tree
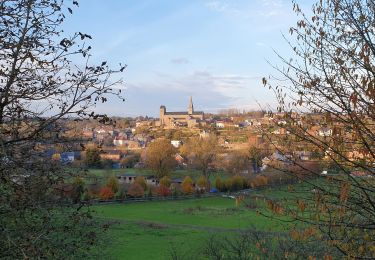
40	86
160	157
202	153
332	73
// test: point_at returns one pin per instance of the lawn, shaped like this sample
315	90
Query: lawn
148	230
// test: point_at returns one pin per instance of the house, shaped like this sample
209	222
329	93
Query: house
325	131
204	134
220	124
120	140
113	155
303	155
176	143
361	174
152	180
180	160
68	157
127	178
130	179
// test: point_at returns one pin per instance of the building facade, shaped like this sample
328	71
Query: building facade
190	118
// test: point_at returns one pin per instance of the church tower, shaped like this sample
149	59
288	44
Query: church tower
163	110
191	107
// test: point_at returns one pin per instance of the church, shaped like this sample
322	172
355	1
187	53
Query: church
190	118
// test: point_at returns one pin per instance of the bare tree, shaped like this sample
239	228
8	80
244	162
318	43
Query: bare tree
327	100
40	86
202	153
160	157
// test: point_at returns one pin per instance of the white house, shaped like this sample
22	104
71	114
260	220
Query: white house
176	143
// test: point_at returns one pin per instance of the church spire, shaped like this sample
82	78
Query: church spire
191	107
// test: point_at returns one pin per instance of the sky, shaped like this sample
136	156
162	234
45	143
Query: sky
216	51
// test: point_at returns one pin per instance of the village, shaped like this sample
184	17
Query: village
213	153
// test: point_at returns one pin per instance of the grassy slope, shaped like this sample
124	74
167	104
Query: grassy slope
147	230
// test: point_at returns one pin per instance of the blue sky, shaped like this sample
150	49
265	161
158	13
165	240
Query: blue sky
214	50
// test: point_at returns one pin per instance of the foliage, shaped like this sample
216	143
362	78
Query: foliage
202	153
250	244
166	181
120	194
331	79
236	162
136	190
219	184
163	191
78	189
203	183
187	185
255	156
130	161
92	157
106	193
160	157
258	181
106	163
113	184
141	181
41	86
238	183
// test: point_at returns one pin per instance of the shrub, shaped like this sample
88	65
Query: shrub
130	161
136	190
78	189
106	193
141	181
187	185
120	194
228	184
86	196
94	189
113	184
203	183
106	163
238	183
163	191
166	181
259	181
219	184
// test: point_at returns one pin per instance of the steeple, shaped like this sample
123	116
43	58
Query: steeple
191	107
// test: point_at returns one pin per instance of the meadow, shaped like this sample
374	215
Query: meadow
149	230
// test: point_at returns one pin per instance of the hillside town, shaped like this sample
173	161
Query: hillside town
234	130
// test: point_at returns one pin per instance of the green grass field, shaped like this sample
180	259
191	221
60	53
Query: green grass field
148	230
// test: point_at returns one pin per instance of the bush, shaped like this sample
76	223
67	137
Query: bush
113	184
106	193
259	181
78	189
136	190
203	183
120	194
86	196
166	181
228	184
141	181
238	183
219	184
106	163
187	185
163	191
130	161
